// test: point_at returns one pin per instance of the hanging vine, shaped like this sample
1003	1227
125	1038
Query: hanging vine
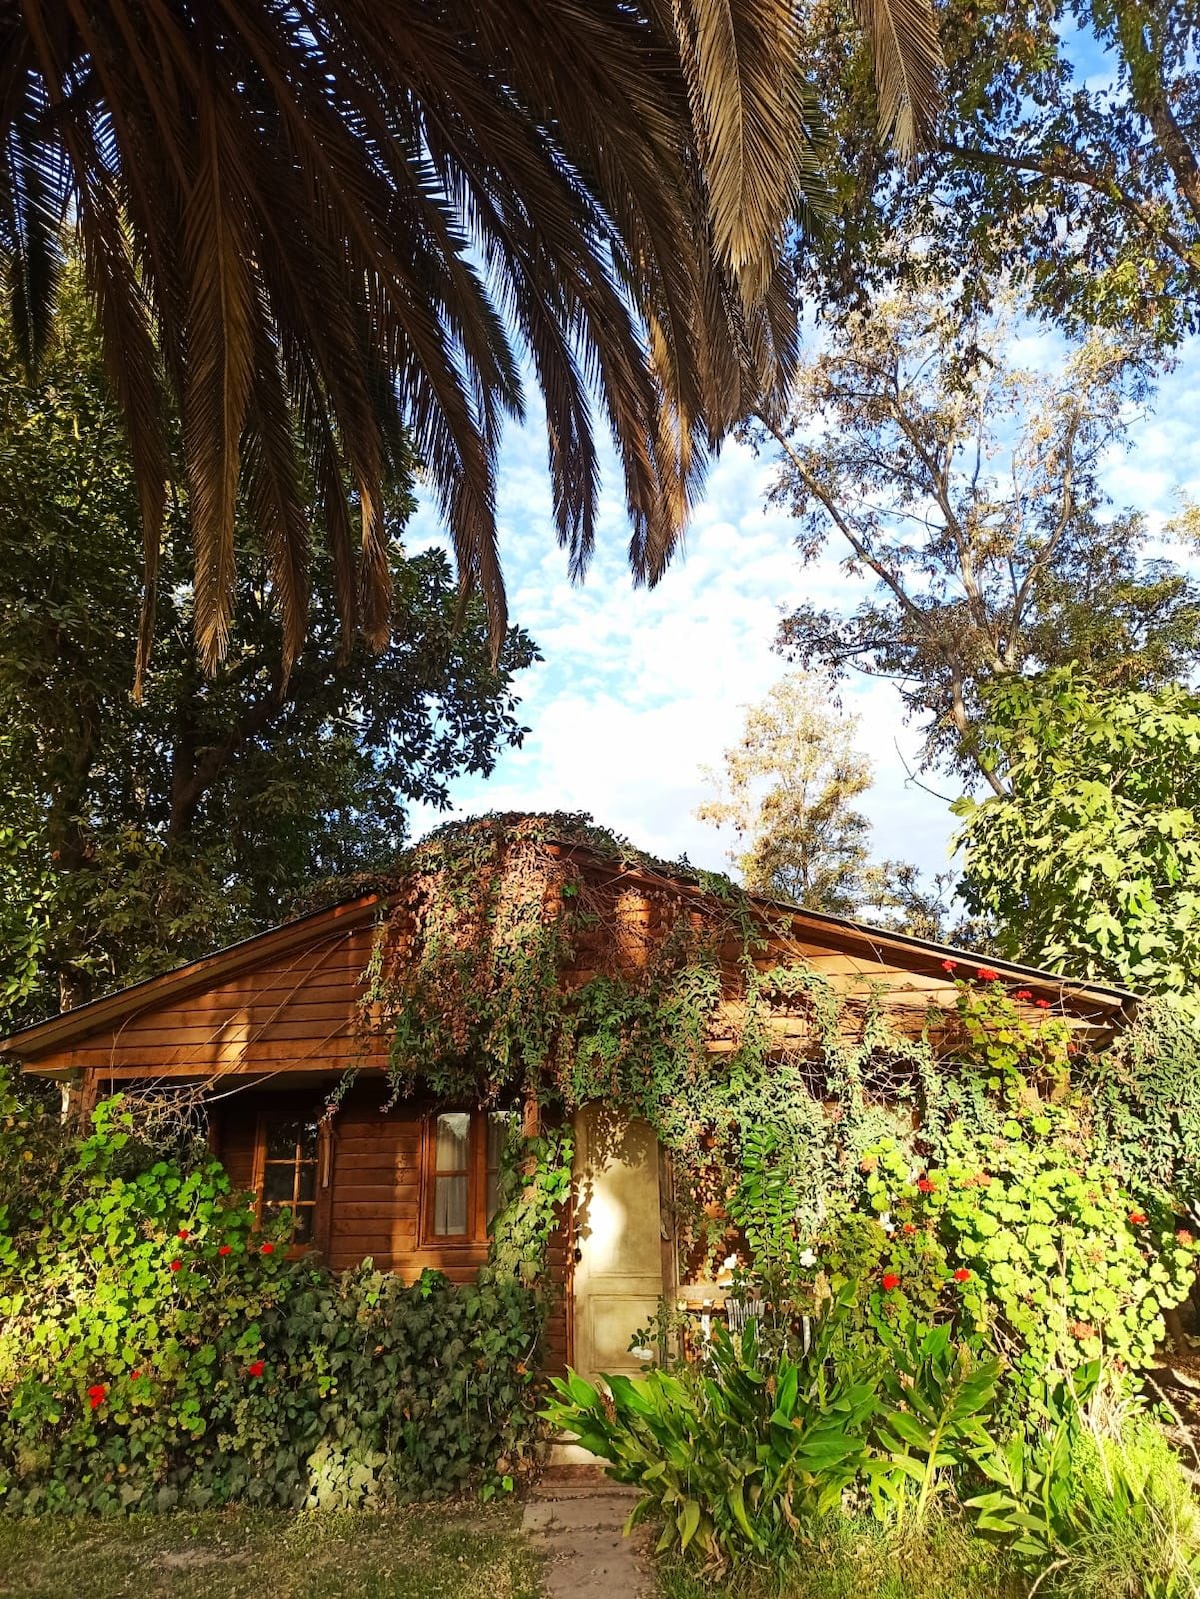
541	958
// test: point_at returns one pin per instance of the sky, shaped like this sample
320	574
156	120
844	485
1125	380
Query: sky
641	690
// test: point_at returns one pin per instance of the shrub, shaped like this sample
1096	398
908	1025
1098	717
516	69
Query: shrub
1095	1504
736	1454
156	1350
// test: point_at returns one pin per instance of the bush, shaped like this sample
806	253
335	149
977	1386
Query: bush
155	1350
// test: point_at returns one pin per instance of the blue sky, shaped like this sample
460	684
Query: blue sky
640	690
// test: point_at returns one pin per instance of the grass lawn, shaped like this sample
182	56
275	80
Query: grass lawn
442	1553
860	1560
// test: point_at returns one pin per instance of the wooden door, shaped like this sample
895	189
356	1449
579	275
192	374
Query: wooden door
618	1279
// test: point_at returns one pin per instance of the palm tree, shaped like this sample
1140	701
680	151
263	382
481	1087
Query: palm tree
310	226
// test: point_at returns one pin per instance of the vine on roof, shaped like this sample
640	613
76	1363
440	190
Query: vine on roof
542	958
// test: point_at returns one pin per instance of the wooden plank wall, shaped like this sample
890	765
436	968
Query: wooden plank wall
374	1191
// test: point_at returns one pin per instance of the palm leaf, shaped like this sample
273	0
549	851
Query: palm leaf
907	60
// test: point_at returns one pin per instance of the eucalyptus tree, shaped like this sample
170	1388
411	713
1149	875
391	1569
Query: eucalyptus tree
960	488
314	227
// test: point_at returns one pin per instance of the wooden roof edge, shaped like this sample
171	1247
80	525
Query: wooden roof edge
40	1037
1108	995
70	1025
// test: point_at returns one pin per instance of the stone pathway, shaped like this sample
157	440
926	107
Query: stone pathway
577	1516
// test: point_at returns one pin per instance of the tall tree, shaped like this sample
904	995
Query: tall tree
1068	154
306	225
1090	861
788	791
133	835
964	491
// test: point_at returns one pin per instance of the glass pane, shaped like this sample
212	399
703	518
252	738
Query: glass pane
308	1181
284	1139
450	1206
303	1228
453	1136
278	1181
499	1123
493	1197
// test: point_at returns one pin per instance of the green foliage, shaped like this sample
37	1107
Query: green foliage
136	835
1091	863
1066	157
966	493
933	1396
734	1455
1096	1500
155	1350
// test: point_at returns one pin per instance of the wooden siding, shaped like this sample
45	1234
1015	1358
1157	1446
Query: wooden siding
372	1207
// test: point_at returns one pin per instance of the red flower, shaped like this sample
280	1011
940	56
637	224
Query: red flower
908	1228
268	1249
890	1281
962	1275
1022	993
1042	1004
1136	1218
134	1375
255	1369
97	1394
183	1232
949	966
985	974
925	1186
224	1250
176	1265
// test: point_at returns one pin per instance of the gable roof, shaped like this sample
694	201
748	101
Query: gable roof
872	945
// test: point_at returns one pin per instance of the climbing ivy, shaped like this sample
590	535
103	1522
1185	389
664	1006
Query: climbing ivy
803	1124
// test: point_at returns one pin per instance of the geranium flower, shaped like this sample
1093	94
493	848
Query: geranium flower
908	1228
183	1233
890	1281
134	1375
1136	1218
255	1369
924	1186
962	1275
1042	1004
176	1265
224	1250
268	1249
985	974
97	1394
949	966
1022	993
1184	1236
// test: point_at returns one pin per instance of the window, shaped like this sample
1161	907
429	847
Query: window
289	1151
461	1174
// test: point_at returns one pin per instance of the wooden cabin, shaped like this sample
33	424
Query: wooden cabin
265	1030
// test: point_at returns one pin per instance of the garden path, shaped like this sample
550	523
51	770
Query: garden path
577	1517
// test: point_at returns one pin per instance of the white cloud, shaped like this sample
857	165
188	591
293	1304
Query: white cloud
641	689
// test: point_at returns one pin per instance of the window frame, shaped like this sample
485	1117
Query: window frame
322	1175
477	1235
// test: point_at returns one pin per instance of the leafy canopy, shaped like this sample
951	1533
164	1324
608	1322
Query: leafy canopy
962	491
308	229
136	835
1090	864
1068	154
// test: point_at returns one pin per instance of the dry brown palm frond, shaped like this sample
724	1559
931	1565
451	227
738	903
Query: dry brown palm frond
907	60
316	227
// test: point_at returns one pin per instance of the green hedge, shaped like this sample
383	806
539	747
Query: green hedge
156	1351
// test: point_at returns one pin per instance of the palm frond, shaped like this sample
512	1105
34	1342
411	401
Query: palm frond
907	58
317	229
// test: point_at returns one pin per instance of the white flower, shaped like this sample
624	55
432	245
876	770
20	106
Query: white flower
808	1258
886	1222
